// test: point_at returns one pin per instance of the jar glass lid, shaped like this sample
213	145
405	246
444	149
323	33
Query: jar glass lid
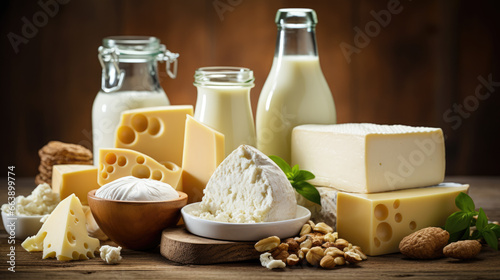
224	76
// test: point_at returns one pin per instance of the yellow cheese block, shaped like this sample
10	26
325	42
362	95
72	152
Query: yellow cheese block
116	163
74	178
203	152
155	131
378	222
64	235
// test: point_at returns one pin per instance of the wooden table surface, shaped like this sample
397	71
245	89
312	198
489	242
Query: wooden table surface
151	265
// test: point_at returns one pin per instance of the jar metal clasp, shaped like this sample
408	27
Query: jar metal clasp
170	59
110	55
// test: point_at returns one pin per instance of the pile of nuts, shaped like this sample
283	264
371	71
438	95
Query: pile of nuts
317	245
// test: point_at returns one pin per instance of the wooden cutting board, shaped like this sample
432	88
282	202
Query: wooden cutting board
178	245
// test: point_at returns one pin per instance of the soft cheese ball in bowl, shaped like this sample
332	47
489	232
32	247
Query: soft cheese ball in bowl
132	212
248	187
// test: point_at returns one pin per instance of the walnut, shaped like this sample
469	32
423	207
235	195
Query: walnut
314	255
292	260
352	257
341	243
302	253
311	223
339	260
465	249
317	241
267	244
293	246
323	228
334	252
331	237
306	243
305	229
327	262
280	252
301	238
358	251
427	243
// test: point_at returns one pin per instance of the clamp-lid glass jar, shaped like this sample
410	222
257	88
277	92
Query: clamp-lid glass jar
129	80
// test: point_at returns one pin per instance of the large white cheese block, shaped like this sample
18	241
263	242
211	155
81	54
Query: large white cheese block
369	158
378	222
248	187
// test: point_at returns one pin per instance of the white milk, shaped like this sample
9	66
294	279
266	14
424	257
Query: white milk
227	109
294	93
107	109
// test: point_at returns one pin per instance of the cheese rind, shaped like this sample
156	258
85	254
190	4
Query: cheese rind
378	222
248	187
155	131
203	152
117	163
64	235
369	158
74	178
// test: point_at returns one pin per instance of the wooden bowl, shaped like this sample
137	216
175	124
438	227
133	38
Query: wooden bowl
135	225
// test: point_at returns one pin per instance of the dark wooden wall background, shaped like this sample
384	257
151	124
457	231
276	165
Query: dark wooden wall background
424	62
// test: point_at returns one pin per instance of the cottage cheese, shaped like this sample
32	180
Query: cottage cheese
110	254
248	187
40	202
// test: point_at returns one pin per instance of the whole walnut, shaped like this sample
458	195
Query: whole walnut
427	243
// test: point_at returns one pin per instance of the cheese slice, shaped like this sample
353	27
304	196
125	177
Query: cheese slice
369	158
64	235
378	222
203	152
155	131
117	163
74	178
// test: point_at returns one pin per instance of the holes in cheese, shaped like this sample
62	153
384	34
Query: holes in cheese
75	244
377	222
154	131
125	162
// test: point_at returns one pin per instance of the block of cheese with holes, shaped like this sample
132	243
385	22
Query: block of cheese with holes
115	163
203	152
74	178
64	234
378	222
369	158
155	131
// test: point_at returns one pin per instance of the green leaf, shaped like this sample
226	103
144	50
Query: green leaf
295	171
456	236
495	228
464	202
490	238
282	164
482	220
476	235
304	176
458	221
308	191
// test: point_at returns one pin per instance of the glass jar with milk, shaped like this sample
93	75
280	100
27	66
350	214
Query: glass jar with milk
223	103
129	80
295	92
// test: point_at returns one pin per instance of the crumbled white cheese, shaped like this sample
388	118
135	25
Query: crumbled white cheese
266	260
41	201
248	187
110	254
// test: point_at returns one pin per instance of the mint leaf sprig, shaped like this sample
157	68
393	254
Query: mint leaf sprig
459	223
298	179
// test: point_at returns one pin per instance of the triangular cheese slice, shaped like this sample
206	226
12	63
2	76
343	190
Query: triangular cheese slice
64	235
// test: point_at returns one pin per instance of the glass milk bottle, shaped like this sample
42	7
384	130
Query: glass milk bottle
295	91
129	80
223	103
